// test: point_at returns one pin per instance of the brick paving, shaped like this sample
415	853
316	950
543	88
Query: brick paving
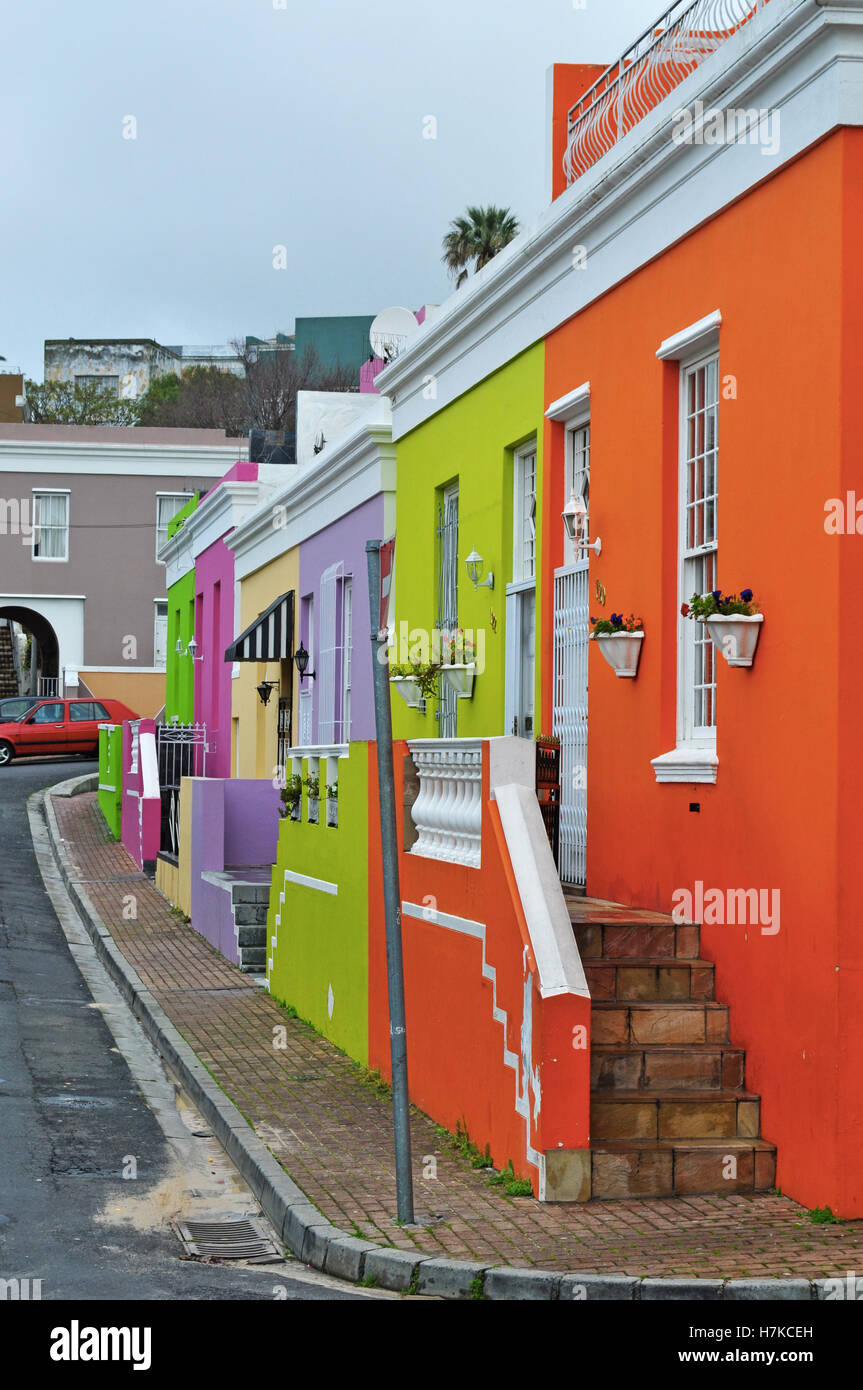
330	1126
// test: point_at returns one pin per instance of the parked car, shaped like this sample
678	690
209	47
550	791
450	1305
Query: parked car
13	706
59	726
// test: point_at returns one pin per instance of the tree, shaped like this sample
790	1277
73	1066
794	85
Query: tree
477	238
67	403
201	398
275	375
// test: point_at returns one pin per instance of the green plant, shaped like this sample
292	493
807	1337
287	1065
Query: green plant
823	1216
603	627
424	673
704	606
512	1186
332	791
370	1282
291	794
457	649
476	238
476	1285
312	783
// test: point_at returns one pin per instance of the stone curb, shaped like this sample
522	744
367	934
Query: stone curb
302	1227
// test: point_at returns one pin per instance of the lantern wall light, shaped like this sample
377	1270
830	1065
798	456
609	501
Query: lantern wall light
574	516
301	661
474	564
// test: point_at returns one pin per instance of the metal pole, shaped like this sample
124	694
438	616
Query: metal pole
392	898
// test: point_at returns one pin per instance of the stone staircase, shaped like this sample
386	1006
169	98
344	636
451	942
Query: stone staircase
8	676
249	903
670	1114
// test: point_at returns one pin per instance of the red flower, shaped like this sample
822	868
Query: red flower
684	610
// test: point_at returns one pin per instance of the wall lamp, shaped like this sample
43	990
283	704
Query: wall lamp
301	661
474	564
264	690
574	516
190	650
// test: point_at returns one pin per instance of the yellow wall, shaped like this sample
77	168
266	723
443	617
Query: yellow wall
142	691
254	724
175	880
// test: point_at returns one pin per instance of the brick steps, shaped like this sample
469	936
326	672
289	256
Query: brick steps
662	1066
669	1112
672	1115
631	978
681	1167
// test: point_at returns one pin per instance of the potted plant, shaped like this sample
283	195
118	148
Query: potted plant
291	795
458	662
313	787
733	621
332	804
415	681
619	639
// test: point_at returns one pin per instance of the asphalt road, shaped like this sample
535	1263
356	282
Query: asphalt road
71	1112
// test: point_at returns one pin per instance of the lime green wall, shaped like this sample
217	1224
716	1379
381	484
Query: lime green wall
472	441
111	776
180	670
322	938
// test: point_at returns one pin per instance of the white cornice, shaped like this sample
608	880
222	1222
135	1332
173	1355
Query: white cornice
801	57
690	340
140	460
220	511
353	469
571	406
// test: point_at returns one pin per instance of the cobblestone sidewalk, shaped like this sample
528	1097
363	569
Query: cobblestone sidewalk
331	1128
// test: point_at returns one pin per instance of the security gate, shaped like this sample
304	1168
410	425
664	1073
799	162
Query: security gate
182	752
447	601
569	718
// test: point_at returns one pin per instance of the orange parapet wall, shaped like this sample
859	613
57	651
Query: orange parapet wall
497	1042
567	82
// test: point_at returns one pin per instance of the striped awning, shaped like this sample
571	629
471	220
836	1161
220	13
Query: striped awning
270	637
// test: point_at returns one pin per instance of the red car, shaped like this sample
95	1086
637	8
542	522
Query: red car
60	726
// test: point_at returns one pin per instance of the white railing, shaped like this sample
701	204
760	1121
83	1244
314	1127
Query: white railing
323	765
448	810
660	59
47	685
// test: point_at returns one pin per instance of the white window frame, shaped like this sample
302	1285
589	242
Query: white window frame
182	498
37	525
347	640
524	526
160	603
694	757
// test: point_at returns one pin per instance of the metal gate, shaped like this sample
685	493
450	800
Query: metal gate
569	719
182	752
284	732
447	601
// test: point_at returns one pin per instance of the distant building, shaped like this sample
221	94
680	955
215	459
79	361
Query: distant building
11	397
127	366
340	341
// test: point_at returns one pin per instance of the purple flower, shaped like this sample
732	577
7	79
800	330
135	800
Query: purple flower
717	594
746	595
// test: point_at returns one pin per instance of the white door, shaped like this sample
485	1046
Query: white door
569	715
160	636
521	599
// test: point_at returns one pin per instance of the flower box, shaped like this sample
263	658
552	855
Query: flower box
409	689
736	635
460	676
622	651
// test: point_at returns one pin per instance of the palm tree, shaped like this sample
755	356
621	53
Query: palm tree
477	237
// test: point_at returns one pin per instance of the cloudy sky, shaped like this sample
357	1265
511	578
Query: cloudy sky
258	124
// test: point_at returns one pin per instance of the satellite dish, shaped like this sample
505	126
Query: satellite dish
391	332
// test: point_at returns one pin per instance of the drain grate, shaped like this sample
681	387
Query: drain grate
242	1238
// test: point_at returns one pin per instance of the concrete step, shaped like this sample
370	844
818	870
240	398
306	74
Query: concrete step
668	1021
664	1067
681	1167
251	936
253	957
250	914
634	978
670	1115
639	940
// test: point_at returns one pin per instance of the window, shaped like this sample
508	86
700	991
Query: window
524	516
167	506
160	634
84	710
699	395
49	714
106	383
50	525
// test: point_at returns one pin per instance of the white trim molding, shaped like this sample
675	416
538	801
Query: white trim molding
692	341
572	408
686	765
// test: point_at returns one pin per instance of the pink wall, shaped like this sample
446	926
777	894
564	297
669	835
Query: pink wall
214	623
141	808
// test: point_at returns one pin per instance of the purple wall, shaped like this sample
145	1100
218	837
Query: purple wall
214	622
235	823
345	540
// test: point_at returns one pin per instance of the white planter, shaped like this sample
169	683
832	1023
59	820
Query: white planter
736	636
622	651
461	677
332	811
409	690
313	810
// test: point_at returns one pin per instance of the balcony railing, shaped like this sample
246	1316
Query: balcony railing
665	54
448	810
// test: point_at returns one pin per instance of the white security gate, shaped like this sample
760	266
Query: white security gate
329	652
571	632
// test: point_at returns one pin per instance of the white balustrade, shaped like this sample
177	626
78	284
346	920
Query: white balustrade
448	810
